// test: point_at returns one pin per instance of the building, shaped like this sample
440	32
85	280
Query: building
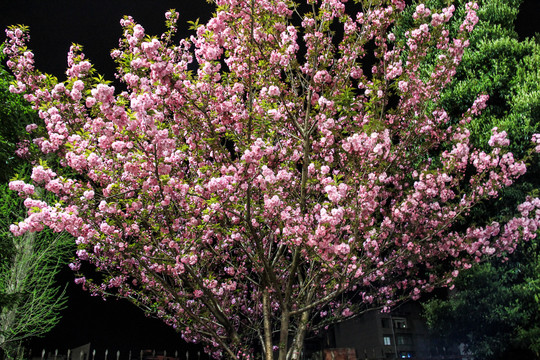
400	334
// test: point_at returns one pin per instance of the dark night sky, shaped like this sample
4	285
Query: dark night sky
95	24
54	25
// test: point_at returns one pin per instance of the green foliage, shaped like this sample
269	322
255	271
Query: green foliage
498	64
32	298
494	309
10	206
503	68
15	114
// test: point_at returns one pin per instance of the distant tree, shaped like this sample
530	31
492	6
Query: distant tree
495	63
494	308
28	271
28	278
282	186
15	115
30	298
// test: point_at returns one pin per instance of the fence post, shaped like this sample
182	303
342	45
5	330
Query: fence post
43	354
106	353
69	354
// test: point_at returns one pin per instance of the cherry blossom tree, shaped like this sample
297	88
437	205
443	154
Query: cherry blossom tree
284	168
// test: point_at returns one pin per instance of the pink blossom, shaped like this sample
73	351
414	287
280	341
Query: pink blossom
498	138
89	194
273	91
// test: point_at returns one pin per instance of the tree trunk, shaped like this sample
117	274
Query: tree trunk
284	333
298	342
267	346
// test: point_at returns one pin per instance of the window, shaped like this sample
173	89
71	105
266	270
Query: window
406	355
385	322
404	339
387	340
400	323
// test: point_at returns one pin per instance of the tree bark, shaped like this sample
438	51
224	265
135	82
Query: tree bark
298	342
267	346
